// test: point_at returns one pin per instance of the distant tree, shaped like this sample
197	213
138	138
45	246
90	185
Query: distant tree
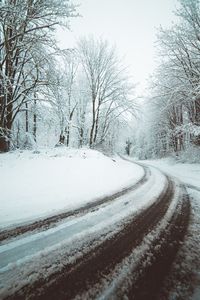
71	68
174	118
128	146
108	85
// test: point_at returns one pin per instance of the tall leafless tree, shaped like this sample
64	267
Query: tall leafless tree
108	83
26	27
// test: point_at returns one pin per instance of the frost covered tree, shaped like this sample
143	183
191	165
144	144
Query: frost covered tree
66	96
110	90
60	92
26	28
71	68
174	118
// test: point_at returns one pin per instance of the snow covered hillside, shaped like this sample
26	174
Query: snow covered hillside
36	184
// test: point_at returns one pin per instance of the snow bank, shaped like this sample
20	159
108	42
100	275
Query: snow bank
185	172
37	184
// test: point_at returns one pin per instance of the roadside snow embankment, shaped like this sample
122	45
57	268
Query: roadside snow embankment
189	174
33	185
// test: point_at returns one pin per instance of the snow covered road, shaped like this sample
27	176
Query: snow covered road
39	185
50	221
87	252
183	281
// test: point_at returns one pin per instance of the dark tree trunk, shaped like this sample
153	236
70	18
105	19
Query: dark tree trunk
62	139
67	133
27	120
97	125
128	147
197	120
35	122
18	134
93	121
68	128
6	95
81	137
35	127
4	144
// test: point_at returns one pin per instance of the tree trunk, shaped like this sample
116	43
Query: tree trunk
68	128
35	122
93	122
67	133
18	135
97	125
4	144
62	139
27	120
6	94
81	138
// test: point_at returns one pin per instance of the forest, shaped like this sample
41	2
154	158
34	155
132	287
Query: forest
170	123
99	170
84	96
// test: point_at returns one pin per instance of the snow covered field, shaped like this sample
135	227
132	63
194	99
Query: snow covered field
36	184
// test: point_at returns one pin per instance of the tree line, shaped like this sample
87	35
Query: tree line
80	96
172	113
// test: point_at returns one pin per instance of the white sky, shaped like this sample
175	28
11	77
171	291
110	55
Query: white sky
128	24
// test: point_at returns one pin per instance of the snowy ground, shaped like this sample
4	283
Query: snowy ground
36	184
187	268
189	174
26	259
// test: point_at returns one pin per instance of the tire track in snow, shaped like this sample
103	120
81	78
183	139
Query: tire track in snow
88	271
156	263
193	187
51	221
83	278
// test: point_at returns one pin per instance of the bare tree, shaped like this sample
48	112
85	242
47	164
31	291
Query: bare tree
175	101
25	28
108	84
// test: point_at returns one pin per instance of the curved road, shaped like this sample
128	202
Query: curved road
120	247
45	223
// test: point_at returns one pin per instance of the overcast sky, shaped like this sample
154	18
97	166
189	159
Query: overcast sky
128	24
